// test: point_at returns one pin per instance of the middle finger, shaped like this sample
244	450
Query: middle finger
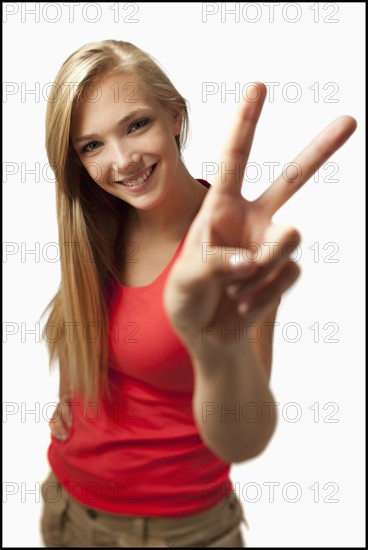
306	164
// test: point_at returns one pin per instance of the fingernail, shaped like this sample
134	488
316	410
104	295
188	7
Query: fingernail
243	309
233	289
61	437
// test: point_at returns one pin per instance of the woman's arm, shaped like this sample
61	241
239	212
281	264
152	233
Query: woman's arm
216	399
203	286
264	345
231	403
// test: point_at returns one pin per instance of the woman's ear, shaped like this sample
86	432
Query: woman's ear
177	120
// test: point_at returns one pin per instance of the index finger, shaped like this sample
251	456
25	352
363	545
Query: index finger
307	163
238	145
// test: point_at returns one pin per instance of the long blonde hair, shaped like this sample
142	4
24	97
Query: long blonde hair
90	220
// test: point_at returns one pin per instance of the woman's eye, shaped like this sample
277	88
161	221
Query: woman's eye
139	124
90	147
93	145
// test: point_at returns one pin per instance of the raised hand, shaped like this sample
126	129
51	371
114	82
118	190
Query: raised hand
204	286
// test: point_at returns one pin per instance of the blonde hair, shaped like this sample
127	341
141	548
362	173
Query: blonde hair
90	219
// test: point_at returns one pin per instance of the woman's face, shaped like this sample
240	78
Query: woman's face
122	135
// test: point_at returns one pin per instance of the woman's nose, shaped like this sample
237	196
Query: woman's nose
123	161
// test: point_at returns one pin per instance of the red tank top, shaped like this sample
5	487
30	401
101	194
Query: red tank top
141	455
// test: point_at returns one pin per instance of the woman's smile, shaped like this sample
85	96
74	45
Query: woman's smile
141	183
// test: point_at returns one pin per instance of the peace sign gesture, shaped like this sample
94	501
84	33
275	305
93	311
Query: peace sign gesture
205	286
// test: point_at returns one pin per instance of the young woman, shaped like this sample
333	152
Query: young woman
166	281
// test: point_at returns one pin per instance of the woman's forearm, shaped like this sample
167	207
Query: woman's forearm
232	403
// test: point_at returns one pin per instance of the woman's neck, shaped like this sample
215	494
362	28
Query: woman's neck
173	216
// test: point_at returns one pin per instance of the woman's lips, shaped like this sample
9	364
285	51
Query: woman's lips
137	176
139	185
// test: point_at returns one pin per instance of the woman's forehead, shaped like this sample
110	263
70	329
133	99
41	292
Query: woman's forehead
111	96
118	88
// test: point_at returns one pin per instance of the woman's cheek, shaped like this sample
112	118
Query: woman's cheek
96	171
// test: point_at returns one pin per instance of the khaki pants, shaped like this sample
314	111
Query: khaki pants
66	522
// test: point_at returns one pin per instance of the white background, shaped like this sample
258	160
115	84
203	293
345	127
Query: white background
299	46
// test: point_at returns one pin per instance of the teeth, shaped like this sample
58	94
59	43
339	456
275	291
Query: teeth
147	174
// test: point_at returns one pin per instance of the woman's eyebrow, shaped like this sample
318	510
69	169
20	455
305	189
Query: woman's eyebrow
124	119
